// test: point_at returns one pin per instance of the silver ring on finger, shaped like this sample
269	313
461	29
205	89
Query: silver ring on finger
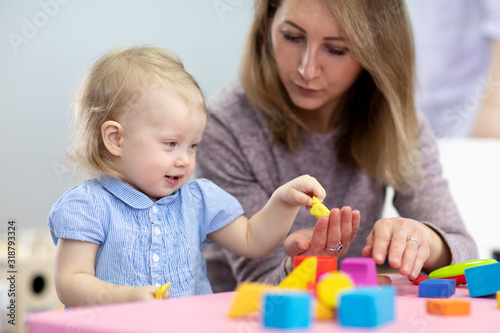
338	248
414	240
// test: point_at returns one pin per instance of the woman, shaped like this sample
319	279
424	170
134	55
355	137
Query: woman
326	88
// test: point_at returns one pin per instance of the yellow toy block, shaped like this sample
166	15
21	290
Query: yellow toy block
330	286
161	290
248	298
322	312
302	276
498	299
318	209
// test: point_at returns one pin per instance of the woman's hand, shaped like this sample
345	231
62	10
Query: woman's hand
410	245
341	226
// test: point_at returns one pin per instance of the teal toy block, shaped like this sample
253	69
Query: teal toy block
437	288
483	280
287	310
367	306
362	271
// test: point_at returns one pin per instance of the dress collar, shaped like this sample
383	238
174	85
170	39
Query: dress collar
129	195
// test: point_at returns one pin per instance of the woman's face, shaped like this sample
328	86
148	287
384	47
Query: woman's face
313	62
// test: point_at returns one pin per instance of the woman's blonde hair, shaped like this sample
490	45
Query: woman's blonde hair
378	120
115	80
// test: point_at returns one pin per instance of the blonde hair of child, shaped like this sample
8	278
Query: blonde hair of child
114	82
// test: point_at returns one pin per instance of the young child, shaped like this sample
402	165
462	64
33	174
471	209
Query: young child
140	224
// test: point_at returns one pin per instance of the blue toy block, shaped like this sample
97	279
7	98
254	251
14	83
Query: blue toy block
367	306
483	280
288	309
436	288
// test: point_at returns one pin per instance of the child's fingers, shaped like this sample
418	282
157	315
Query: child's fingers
310	186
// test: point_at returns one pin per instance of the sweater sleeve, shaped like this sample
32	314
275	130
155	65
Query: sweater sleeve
431	203
230	143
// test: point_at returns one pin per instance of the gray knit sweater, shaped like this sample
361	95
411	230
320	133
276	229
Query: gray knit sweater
237	155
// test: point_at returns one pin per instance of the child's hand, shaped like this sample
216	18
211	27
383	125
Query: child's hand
144	293
299	191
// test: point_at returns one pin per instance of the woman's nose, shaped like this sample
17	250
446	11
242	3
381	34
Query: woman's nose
309	67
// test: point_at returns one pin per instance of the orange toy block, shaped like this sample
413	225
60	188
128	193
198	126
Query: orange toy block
448	307
325	264
248	299
303	275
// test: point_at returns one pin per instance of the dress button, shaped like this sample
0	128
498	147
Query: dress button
157	231
154	209
156	258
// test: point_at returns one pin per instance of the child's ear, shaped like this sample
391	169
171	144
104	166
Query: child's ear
112	132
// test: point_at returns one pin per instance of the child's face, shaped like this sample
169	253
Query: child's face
159	142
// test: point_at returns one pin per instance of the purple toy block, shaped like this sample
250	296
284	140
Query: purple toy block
362	271
437	288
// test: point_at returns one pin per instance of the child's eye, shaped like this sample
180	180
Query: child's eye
194	146
171	143
292	38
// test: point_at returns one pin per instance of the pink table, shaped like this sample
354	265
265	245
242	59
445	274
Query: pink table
207	313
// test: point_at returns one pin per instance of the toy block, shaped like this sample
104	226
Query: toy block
322	312
456	271
325	264
498	299
330	285
302	275
361	270
483	280
436	288
287	309
419	279
318	209
367	306
448	307
248	298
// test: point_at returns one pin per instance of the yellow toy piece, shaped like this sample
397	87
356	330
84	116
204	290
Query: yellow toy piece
322	312
302	276
498	299
161	290
318	209
248	298
330	286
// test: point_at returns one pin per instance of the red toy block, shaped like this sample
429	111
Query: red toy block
419	279
325	264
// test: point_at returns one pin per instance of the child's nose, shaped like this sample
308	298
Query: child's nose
182	160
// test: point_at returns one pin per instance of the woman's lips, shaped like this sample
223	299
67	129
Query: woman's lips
306	91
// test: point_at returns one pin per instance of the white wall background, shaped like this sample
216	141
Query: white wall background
46	46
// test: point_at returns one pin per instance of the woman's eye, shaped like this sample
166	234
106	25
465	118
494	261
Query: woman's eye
292	38
337	51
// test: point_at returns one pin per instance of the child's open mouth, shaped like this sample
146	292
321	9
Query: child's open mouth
172	180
